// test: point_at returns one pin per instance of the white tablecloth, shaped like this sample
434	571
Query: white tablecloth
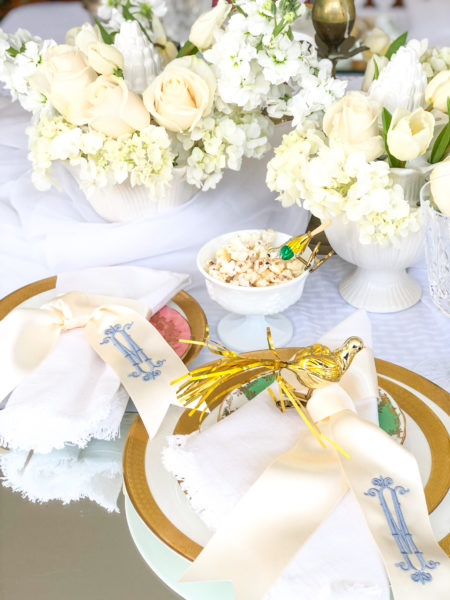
43	233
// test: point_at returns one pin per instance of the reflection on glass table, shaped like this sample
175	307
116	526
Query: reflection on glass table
53	551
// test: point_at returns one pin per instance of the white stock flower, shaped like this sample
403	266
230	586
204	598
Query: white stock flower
256	69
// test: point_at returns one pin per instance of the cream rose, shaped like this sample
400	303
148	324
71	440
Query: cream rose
352	123
438	90
113	108
182	94
64	76
410	134
440	186
202	31
369	75
103	58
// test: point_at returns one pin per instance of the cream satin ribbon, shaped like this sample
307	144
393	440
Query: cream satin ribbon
301	488
117	330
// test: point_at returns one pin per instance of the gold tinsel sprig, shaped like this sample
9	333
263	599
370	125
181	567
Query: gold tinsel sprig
314	367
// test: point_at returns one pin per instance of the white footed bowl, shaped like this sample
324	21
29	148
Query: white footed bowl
254	309
122	202
380	282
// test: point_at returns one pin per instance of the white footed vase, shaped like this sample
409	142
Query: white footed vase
379	282
122	202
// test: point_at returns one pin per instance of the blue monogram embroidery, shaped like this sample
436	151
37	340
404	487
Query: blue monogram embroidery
119	336
400	531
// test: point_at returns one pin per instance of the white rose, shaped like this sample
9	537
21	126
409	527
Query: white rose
82	36
352	123
378	42
182	94
63	77
410	134
113	108
440	186
202	31
369	75
103	58
438	90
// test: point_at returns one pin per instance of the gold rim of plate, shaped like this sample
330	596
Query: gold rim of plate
191	309
433	429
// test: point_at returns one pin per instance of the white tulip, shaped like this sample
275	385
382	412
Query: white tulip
369	75
438	90
202	31
103	58
440	186
410	134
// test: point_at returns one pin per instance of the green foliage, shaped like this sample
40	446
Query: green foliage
386	119
108	38
187	50
396	44
442	142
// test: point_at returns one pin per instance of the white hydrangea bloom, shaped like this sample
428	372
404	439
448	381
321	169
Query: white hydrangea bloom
306	171
434	60
220	141
145	156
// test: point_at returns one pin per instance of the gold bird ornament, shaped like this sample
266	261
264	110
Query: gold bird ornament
313	367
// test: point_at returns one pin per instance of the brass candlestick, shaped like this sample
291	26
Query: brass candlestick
333	21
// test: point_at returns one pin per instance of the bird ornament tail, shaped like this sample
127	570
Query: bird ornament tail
314	367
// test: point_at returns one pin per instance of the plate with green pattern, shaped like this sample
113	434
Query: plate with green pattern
390	416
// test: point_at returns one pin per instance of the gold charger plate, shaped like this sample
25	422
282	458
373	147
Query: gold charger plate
432	428
190	308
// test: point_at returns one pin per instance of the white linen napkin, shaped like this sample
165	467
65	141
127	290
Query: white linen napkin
340	560
73	395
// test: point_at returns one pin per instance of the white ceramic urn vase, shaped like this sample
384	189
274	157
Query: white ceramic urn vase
379	282
122	202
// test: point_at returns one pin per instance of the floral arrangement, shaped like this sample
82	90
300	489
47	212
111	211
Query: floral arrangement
120	101
350	164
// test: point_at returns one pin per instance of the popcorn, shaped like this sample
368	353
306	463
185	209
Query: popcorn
246	261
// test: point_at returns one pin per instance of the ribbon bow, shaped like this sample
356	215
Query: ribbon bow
301	488
116	328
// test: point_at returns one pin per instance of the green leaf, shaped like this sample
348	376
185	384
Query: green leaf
396	44
442	141
187	50
377	70
14	52
386	119
108	38
290	34
279	28
118	72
